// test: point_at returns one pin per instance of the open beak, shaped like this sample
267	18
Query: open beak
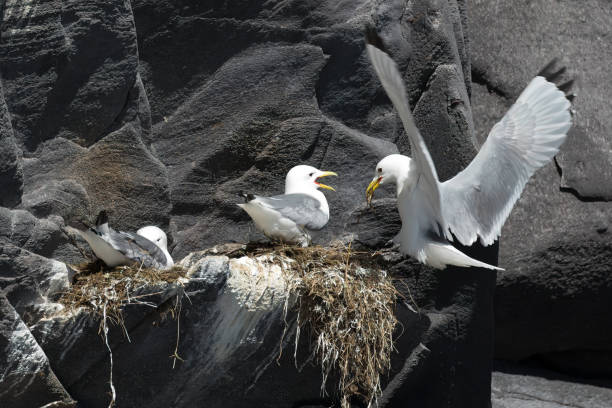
370	190
323	174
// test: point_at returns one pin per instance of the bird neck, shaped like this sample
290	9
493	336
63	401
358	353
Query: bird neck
405	176
168	257
400	183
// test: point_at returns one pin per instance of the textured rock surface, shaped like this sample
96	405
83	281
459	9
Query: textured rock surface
555	295
10	167
228	350
160	112
67	68
506	58
230	328
26	378
516	387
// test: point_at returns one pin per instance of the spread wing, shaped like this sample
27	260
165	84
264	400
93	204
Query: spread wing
389	76
478	200
302	209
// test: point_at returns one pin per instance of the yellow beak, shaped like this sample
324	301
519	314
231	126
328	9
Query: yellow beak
370	190
324	174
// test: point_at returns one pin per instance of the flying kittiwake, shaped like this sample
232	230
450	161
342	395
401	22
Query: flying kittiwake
476	202
147	247
285	217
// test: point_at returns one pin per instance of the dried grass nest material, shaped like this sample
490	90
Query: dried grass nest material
106	292
98	289
347	303
344	300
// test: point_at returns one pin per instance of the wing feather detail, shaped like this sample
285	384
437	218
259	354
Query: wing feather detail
302	209
392	82
479	199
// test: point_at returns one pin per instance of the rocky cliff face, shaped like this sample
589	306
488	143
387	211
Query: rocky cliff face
160	112
556	293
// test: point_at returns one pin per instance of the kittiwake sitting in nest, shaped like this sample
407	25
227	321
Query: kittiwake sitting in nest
285	217
476	202
147	247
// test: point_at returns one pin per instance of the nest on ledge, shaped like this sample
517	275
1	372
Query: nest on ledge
344	299
347	302
105	292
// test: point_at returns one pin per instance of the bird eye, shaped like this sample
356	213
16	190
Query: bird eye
380	169
311	174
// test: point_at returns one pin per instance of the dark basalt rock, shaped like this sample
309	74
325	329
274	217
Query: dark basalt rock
518	386
507	58
27	379
161	113
73	81
376	226
11	177
555	295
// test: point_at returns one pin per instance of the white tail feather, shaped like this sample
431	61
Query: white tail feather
440	255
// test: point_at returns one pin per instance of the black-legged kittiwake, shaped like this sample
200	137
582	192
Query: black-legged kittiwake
285	217
147	247
476	202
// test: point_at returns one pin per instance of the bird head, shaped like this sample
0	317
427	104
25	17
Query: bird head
155	235
304	177
393	168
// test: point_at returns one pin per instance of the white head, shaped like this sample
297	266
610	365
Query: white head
155	235
303	178
393	168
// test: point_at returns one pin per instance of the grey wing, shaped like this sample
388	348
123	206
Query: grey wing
478	200
389	76
100	245
137	248
302	209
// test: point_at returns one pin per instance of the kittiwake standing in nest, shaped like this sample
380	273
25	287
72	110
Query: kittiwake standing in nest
285	217
476	202
147	247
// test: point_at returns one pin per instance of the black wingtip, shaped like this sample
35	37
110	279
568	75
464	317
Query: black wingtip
552	74
247	196
544	72
372	37
102	218
566	86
